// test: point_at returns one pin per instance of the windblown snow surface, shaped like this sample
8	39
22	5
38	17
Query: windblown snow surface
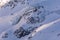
29	19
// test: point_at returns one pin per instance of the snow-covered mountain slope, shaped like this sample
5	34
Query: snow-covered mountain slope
30	20
27	14
12	6
45	31
49	31
9	8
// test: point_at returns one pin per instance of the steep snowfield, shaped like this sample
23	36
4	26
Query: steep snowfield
49	33
43	32
30	20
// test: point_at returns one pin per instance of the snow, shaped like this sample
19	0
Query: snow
49	33
41	18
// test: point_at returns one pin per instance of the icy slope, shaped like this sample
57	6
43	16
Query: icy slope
45	31
51	32
12	6
27	14
48	19
30	20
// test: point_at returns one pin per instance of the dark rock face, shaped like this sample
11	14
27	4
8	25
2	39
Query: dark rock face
33	20
58	34
38	15
5	35
21	32
13	3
